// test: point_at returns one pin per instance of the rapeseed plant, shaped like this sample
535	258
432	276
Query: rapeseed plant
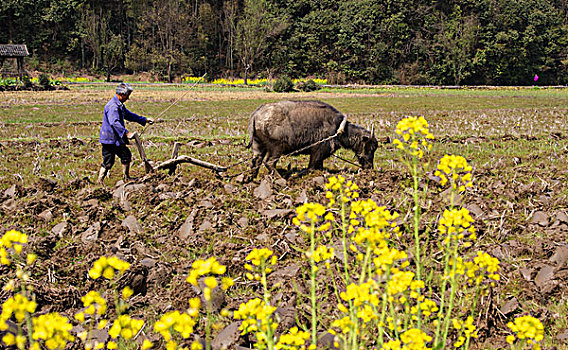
50	329
53	329
11	241
456	170
258	318
313	213
123	327
175	324
528	331
258	315
293	340
107	267
414	138
381	299
207	269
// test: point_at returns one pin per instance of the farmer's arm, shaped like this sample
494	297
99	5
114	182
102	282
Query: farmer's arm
133	117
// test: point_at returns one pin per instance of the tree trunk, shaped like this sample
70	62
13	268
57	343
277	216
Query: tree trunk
82	53
247	67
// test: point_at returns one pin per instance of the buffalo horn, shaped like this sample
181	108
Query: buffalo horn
373	130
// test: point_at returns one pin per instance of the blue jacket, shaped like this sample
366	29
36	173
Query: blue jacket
113	131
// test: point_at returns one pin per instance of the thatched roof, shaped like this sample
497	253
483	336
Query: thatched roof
11	50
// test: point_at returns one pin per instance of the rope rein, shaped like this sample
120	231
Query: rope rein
337	133
175	101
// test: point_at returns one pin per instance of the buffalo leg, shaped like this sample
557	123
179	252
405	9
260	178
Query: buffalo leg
319	154
255	166
315	163
270	163
316	160
258	154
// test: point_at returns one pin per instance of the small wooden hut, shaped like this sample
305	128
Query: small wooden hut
13	51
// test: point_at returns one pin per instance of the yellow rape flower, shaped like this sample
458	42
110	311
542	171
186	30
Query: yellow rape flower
468	328
94	302
18	305
427	306
146	344
527	328
126	327
127	292
400	282
322	253
256	316
292	340
258	256
339	187
456	170
413	135
201	268
107	267
489	264
11	240
311	211
457	225
386	257
53	329
182	323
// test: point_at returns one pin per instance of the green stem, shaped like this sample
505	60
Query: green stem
28	318
452	295
313	286
364	265
384	308
477	295
443	294
344	237
416	232
355	329
208	326
266	296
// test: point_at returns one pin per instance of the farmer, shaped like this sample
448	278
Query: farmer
114	136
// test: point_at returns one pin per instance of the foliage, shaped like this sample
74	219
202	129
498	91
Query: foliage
44	81
260	25
27	82
283	84
407	41
307	86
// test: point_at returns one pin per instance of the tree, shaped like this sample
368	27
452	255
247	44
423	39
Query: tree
255	30
165	29
229	28
454	47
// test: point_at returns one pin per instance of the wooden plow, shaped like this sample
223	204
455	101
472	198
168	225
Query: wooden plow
171	164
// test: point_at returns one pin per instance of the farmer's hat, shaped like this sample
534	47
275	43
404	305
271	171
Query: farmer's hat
123	89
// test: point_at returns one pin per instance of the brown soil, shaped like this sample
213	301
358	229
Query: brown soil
162	223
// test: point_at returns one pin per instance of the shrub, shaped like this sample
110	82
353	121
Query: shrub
44	81
308	86
27	82
283	84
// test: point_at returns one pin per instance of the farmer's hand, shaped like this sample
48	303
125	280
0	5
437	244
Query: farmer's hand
130	135
149	121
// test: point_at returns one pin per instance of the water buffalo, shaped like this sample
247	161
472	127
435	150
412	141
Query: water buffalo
285	127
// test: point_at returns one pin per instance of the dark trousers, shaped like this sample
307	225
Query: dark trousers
110	151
